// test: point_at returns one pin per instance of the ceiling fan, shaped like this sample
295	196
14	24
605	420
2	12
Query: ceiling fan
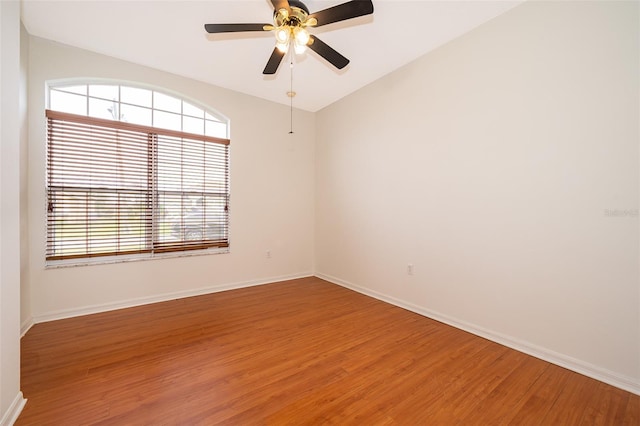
290	22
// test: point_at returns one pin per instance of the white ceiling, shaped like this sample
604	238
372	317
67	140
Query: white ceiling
169	35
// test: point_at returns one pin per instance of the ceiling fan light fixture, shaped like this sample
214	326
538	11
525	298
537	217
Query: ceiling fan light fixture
283	47
299	48
301	36
283	35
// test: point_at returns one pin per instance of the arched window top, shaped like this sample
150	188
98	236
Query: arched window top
136	105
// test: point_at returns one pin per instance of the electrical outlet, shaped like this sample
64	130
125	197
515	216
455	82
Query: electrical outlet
410	269
268	254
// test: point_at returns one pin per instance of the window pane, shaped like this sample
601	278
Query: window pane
135	96
80	90
170	217
166	103
216	129
183	218
193	218
136	115
100	108
166	120
211	117
103	91
193	125
191	110
67	102
216	217
67	232
97	222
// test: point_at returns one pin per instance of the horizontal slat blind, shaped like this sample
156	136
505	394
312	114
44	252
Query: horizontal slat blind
115	188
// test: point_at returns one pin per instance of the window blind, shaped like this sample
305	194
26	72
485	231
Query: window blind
116	188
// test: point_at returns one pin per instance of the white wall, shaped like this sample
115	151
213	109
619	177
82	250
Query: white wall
11	401
272	196
504	167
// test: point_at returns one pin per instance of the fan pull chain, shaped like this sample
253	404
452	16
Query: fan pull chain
291	95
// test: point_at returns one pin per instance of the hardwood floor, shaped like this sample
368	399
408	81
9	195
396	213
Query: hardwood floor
297	352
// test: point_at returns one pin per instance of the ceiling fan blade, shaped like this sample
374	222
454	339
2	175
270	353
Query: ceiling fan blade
274	62
342	12
280	4
233	28
327	52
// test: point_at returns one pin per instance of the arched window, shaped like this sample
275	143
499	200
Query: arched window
133	171
136	105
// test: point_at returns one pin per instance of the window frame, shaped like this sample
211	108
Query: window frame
155	249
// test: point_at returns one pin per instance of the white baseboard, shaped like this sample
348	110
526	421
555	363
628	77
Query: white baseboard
582	367
26	326
94	309
14	410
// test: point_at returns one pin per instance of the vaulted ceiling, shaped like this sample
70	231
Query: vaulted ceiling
169	35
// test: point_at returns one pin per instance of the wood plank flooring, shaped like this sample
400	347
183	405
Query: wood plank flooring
297	352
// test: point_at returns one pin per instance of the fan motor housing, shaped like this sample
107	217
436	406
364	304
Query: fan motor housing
297	14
